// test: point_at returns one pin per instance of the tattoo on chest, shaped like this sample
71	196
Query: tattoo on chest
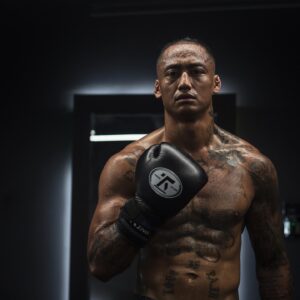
201	162
226	158
213	289
170	282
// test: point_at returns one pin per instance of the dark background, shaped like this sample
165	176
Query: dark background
51	51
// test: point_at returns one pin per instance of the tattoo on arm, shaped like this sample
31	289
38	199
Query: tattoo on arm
131	160
129	176
108	250
264	219
275	285
265	229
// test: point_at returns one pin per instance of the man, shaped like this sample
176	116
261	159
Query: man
189	248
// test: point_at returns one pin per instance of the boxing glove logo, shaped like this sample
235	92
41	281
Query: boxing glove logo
165	183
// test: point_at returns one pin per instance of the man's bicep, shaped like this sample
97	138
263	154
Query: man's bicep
116	179
106	245
264	223
116	186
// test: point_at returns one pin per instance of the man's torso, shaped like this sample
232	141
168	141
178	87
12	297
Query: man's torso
196	254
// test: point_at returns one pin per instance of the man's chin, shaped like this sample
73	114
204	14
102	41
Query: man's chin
188	115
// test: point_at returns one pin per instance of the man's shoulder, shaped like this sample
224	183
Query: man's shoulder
233	142
134	150
118	172
253	158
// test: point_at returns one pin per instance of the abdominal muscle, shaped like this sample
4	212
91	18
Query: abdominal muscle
192	272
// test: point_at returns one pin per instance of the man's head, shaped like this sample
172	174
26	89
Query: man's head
186	78
185	40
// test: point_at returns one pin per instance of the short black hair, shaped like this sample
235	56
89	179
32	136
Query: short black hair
186	40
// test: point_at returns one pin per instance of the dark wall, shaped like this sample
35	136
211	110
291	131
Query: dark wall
51	52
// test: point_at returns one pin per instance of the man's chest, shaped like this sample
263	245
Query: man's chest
224	200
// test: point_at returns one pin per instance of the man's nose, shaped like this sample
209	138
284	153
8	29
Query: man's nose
184	83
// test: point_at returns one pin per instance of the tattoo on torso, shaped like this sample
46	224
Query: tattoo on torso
170	282
213	289
206	225
209	228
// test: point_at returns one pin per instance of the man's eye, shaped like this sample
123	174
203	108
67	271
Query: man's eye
172	73
197	71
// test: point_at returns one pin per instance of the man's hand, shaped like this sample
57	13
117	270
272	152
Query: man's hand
166	180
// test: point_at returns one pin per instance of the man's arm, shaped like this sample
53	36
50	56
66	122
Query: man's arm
109	252
264	224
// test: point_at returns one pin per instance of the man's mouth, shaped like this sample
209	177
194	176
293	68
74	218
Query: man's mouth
185	97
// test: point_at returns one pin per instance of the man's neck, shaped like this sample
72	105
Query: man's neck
192	135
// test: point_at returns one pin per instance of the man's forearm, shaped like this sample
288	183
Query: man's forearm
275	283
109	253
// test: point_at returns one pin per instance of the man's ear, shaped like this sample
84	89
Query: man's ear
157	92
217	84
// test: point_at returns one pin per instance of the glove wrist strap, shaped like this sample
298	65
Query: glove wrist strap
137	221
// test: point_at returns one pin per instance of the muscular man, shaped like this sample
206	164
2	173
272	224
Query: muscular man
194	253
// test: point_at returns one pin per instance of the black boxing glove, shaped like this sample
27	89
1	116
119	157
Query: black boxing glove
166	180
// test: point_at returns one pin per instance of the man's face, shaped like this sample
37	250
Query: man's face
186	80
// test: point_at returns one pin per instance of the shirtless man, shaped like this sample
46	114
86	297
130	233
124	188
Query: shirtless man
194	254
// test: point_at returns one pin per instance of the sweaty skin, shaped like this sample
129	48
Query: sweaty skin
195	254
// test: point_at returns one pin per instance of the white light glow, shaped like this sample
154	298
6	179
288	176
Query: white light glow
115	89
116	137
67	230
